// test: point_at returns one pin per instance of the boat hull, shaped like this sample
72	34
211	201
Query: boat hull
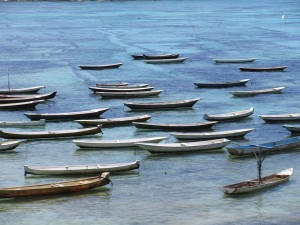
257	92
9	145
270	69
234	60
136	94
25	99
22	124
166	56
165	61
222	85
21	90
100	67
20	105
230	116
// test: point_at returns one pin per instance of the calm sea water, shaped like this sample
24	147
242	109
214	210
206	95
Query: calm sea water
42	43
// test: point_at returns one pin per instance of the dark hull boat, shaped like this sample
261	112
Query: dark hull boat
68	115
21	90
137	57
292	128
28	98
20	105
133	94
222	84
100	67
268	69
166	56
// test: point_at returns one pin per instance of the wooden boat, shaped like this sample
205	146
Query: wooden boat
40	122
114	121
222	84
25	99
93	113
21	90
162	105
9	145
105	89
176	126
135	94
266	69
230	116
277	90
277	146
100	67
86	169
281	117
123	87
56	188
137	57
292	128
255	185
184	147
115	143
234	60
121	84
21	105
50	134
165	56
213	135
36	95
163	61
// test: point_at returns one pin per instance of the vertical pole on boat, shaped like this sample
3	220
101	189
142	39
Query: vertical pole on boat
8	79
260	158
283	18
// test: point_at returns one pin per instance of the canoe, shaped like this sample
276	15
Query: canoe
231	115
115	143
213	135
105	89
277	146
281	117
28	95
28	98
56	188
292	128
277	90
21	105
165	56
222	84
9	145
121	84
123	87
21	90
162	105
266	69
184	147
114	121
163	61
100	67
167	126
86	169
135	94
234	60
255	185
137	57
22	123
93	113
50	134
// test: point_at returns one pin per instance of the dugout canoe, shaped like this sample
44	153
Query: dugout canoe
135	94
114	121
184	147
56	188
276	90
212	135
123	87
165	56
93	113
222	84
281	117
137	57
292	128
21	90
176	126
164	61
82	169
116	143
230	116
100	67
27	98
121	84
9	145
266	69
50	134
235	60
40	122
20	105
270	147
256	185
105	89
162	105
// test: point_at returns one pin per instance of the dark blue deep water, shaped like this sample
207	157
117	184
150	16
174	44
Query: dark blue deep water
42	43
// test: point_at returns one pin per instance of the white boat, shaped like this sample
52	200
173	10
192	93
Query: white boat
120	89
40	122
212	135
231	115
135	94
163	61
235	60
82	169
276	90
9	145
255	185
115	143
21	90
281	117
123	86
184	147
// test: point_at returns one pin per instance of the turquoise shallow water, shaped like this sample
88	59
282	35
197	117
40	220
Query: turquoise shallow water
42	43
